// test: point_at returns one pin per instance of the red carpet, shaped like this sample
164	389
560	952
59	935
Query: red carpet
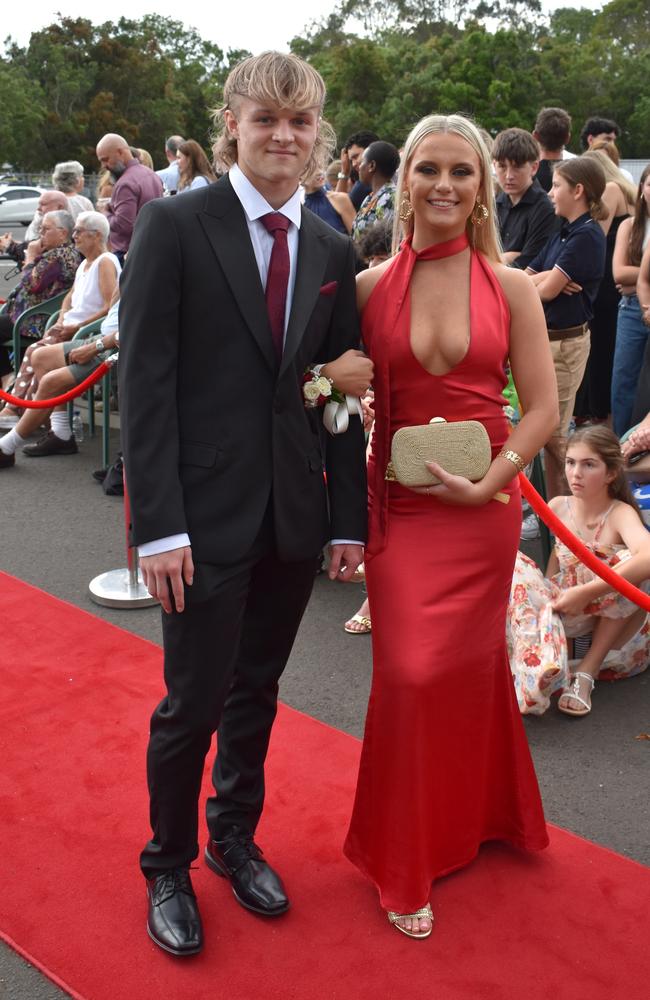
76	696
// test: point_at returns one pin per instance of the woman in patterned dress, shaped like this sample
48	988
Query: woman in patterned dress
571	600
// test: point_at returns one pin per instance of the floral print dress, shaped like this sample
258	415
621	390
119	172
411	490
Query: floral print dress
537	635
374	208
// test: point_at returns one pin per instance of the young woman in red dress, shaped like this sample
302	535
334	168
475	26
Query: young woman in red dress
445	764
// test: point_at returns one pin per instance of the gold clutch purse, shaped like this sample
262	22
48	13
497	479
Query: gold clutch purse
462	448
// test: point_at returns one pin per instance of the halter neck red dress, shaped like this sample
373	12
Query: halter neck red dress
445	763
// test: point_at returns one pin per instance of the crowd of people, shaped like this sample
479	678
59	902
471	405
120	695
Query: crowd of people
579	229
478	260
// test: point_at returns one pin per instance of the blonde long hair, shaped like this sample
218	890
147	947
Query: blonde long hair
612	173
484	238
277	78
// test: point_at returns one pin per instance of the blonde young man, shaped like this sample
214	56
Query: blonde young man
229	293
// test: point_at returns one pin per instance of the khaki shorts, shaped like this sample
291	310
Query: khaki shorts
570	358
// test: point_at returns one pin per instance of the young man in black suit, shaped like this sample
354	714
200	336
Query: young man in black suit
229	294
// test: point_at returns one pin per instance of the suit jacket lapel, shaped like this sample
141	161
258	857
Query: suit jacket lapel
312	260
225	226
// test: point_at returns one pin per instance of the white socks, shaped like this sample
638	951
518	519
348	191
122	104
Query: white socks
11	442
60	424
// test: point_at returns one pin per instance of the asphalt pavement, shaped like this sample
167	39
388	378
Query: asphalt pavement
59	531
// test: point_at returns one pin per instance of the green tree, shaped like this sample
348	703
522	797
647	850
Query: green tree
145	79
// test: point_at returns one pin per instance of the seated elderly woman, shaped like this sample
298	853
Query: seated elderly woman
59	367
50	266
49	201
68	177
87	300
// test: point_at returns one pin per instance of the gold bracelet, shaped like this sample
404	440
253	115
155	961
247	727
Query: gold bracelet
513	457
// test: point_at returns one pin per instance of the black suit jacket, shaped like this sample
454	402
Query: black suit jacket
211	424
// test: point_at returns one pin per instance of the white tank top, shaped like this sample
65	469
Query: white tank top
86	296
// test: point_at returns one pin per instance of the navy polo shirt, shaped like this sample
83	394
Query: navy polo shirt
578	250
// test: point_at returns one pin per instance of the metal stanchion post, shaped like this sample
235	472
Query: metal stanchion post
122	588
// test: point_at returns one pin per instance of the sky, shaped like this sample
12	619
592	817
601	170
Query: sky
248	24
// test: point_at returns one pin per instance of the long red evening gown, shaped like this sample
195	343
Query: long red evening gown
445	763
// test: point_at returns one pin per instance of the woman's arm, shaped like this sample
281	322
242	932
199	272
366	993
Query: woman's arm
107	279
625	520
643	285
351	372
550	284
613	200
342	206
625	274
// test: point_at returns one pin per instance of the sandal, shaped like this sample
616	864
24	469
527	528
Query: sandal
573	691
365	622
424	911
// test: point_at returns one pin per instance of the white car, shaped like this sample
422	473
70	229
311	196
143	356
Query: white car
17	205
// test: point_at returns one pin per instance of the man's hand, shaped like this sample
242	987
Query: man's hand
571	288
81	355
344	561
166	568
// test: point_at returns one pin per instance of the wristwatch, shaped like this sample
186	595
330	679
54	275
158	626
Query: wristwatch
343	177
99	344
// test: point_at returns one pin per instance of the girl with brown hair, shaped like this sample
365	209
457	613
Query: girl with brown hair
571	600
194	168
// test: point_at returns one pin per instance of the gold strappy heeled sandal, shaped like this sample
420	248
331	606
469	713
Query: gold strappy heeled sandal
424	911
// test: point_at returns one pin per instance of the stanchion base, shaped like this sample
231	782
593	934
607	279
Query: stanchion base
115	590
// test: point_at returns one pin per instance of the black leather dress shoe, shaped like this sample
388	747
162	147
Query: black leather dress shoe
6	461
254	883
174	921
51	444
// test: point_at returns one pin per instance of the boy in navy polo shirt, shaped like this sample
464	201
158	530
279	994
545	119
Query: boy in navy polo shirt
525	213
567	273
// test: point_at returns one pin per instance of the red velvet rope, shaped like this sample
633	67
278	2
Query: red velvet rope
601	569
47	404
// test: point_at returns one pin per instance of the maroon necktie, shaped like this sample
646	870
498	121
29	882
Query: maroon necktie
278	277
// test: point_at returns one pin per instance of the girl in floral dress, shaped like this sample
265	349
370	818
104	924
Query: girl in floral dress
571	600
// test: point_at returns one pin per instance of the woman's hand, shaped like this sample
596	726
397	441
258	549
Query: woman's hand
639	440
572	601
351	373
452	489
368	408
645	314
33	251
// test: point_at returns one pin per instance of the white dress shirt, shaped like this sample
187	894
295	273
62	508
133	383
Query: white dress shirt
254	205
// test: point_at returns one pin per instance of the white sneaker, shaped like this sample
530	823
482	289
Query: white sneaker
8	420
529	528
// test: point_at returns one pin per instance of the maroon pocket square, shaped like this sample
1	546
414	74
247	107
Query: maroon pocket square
329	288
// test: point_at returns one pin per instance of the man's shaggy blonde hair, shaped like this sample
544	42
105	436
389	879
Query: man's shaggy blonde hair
273	78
